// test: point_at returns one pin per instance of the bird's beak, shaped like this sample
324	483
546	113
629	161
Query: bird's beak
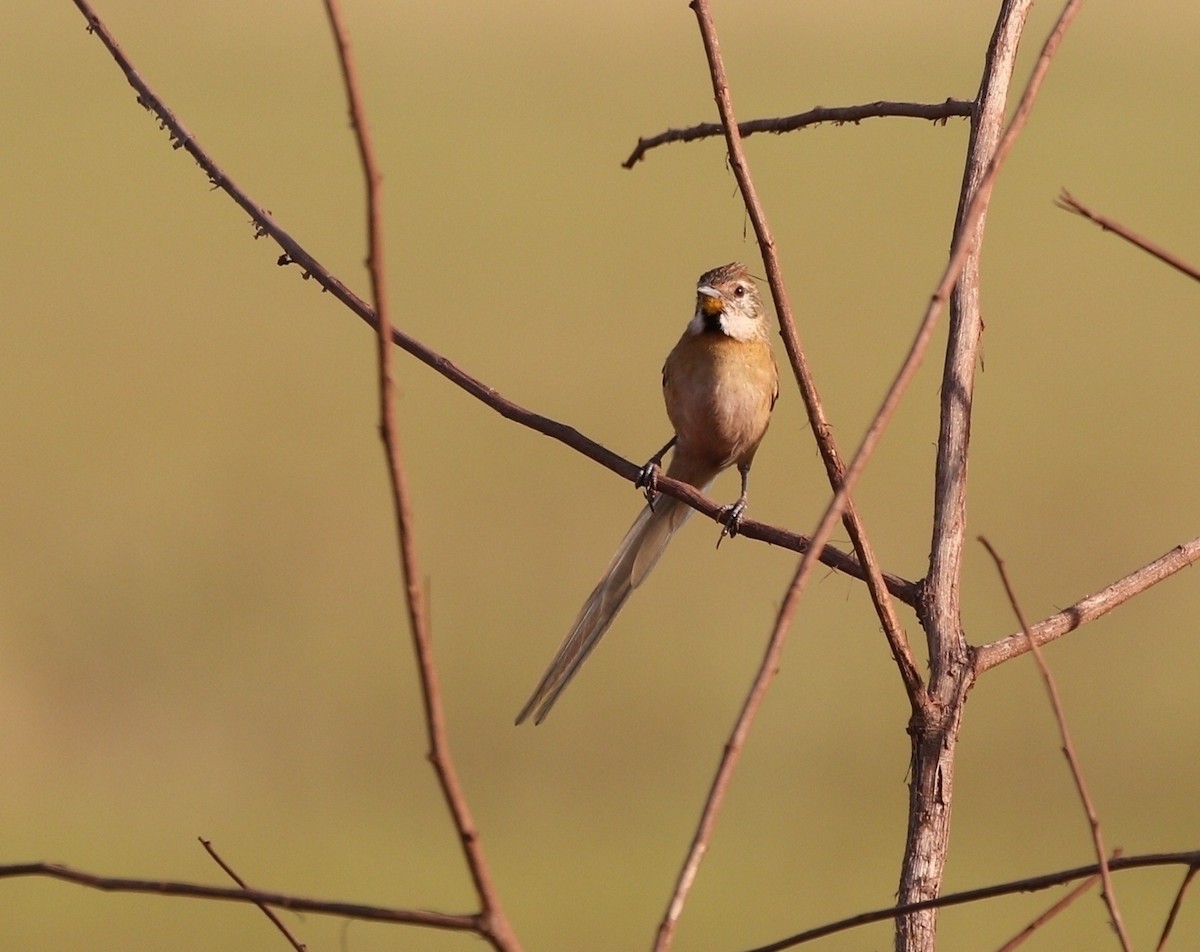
709	300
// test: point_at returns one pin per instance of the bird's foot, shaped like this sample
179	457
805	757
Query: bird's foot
731	520
647	479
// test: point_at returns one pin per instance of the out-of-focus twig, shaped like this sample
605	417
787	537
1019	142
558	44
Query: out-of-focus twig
1070	203
495	927
1068	748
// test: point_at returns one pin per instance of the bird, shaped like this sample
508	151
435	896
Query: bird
720	383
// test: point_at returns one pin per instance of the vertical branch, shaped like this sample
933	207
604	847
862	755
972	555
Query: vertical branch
494	925
935	733
962	349
934	730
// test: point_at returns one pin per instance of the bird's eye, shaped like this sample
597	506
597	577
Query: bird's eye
739	291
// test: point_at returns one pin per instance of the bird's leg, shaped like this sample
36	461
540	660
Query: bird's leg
731	516
647	479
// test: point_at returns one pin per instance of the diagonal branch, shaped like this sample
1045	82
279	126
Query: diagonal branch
1088	608
938	112
1068	748
266	910
835	467
495	927
1019	939
1176	905
1070	203
295	253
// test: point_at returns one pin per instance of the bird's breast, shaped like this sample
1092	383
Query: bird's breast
719	393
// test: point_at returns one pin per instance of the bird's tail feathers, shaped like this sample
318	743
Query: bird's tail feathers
637	554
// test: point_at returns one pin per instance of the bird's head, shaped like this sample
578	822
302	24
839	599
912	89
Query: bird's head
727	302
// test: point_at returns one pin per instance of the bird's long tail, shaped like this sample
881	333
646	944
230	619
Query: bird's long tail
637	554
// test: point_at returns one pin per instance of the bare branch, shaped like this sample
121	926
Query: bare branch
266	910
166	887
1088	608
1189	858
938	113
1019	939
1068	748
935	730
496	928
1070	203
1175	907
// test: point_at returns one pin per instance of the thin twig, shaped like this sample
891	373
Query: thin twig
266	910
1070	203
938	113
1175	907
1019	939
1030	884
1088	608
295	253
495	925
1068	749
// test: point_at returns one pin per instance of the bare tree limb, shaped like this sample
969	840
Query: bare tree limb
1189	858
1068	748
1088	608
1070	203
495	927
934	730
938	112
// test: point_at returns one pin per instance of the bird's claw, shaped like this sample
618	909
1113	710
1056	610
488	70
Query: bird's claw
647	479
731	520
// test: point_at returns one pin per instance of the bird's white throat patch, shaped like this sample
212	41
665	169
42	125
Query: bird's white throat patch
733	322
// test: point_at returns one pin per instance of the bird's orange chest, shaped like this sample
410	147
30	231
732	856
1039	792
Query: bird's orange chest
718	393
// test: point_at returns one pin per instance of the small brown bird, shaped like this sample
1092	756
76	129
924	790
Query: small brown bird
720	383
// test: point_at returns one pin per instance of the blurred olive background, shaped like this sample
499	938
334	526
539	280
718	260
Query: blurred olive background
201	623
